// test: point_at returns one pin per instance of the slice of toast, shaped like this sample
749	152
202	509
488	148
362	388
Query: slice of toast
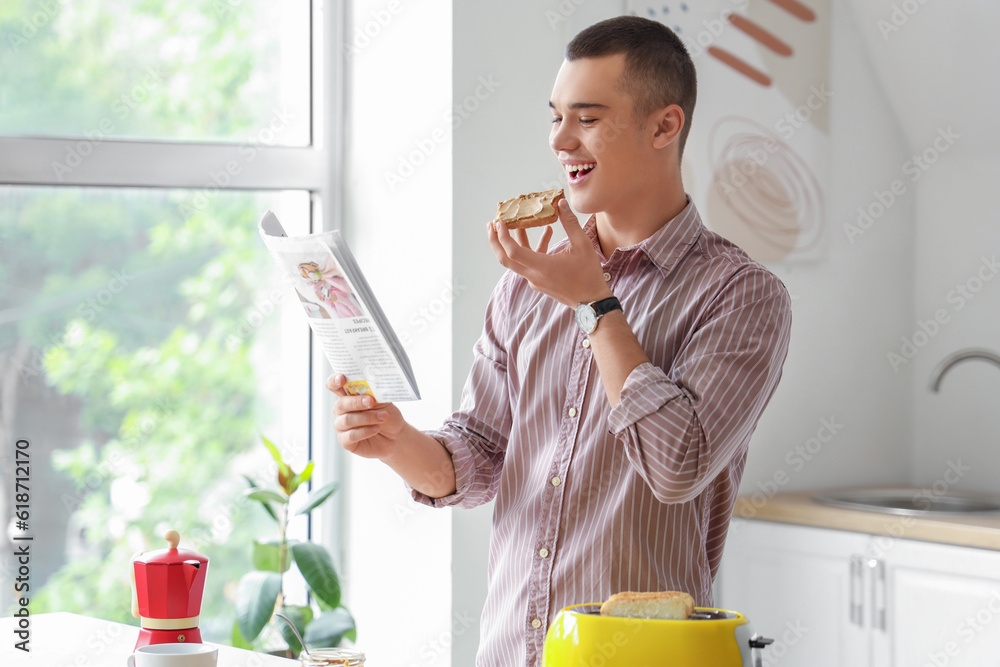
535	209
673	605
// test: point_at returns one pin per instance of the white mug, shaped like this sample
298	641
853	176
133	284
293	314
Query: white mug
174	655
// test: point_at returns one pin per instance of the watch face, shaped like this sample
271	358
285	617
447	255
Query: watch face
586	318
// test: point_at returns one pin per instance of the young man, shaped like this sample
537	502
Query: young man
619	376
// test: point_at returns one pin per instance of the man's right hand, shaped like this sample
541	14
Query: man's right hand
364	427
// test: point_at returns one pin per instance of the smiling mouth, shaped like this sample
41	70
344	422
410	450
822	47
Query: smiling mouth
577	172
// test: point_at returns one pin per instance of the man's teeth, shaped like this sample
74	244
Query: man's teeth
573	168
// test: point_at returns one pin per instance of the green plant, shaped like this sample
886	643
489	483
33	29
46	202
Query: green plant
260	591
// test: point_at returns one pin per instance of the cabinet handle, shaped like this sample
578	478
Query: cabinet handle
857	590
878	593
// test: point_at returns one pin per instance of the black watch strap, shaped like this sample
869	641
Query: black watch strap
605	306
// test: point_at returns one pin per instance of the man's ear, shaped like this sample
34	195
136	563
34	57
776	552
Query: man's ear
667	125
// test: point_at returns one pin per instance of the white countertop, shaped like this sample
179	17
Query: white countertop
70	640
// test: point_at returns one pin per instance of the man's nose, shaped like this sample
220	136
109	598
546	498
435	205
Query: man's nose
562	138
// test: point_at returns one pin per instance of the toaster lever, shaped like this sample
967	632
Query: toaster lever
758	642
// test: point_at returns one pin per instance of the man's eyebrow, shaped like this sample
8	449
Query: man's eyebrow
582	105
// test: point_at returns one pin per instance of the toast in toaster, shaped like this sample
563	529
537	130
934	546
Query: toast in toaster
673	605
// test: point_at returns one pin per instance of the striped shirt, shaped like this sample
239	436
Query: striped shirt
592	500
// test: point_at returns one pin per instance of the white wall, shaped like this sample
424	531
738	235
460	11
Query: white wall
958	249
398	96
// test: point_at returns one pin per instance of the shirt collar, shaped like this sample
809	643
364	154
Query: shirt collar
667	244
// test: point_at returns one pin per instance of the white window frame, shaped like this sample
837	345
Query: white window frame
317	168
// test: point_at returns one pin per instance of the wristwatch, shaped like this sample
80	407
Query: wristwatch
587	314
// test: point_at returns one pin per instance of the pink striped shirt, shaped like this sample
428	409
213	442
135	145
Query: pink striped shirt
592	500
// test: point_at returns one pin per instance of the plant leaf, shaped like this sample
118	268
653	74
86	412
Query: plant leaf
300	617
267	555
237	638
295	482
266	496
317	569
255	599
284	470
329	628
267	508
275	454
317	497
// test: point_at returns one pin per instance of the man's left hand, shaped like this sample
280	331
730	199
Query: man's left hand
571	276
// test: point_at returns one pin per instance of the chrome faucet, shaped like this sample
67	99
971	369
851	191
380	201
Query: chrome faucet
961	355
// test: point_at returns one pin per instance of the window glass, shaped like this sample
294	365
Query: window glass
215	70
146	344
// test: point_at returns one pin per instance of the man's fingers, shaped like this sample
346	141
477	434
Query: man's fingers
543	243
358	420
347	403
350	440
570	222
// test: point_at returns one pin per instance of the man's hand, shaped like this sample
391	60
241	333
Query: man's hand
572	276
364	427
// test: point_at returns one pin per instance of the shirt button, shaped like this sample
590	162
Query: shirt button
556	481
572	412
586	342
544	553
535	623
607	276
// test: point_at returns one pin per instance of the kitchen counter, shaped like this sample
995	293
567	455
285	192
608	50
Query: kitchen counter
969	530
62	639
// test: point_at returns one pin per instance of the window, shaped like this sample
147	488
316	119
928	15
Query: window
145	344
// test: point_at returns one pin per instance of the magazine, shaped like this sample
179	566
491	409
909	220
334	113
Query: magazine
343	312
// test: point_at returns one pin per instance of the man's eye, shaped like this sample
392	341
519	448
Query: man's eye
588	121
556	120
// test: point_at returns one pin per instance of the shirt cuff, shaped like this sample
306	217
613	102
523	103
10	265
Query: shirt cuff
462	460
646	390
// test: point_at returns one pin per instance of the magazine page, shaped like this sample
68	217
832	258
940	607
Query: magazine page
343	312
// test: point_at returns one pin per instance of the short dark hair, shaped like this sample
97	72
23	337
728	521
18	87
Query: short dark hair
658	68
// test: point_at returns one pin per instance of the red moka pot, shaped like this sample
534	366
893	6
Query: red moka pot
167	587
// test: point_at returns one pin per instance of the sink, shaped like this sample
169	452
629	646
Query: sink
913	501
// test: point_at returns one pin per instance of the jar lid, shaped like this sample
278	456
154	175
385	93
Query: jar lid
332	657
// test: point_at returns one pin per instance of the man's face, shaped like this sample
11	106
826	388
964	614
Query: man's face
595	136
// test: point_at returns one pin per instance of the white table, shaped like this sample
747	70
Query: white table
70	640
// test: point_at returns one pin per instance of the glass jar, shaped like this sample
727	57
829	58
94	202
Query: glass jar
332	657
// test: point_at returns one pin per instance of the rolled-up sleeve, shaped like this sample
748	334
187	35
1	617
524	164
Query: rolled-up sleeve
476	434
680	427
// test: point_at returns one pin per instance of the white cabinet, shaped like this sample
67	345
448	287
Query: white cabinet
843	599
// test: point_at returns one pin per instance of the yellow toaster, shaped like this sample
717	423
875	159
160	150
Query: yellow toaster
581	637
